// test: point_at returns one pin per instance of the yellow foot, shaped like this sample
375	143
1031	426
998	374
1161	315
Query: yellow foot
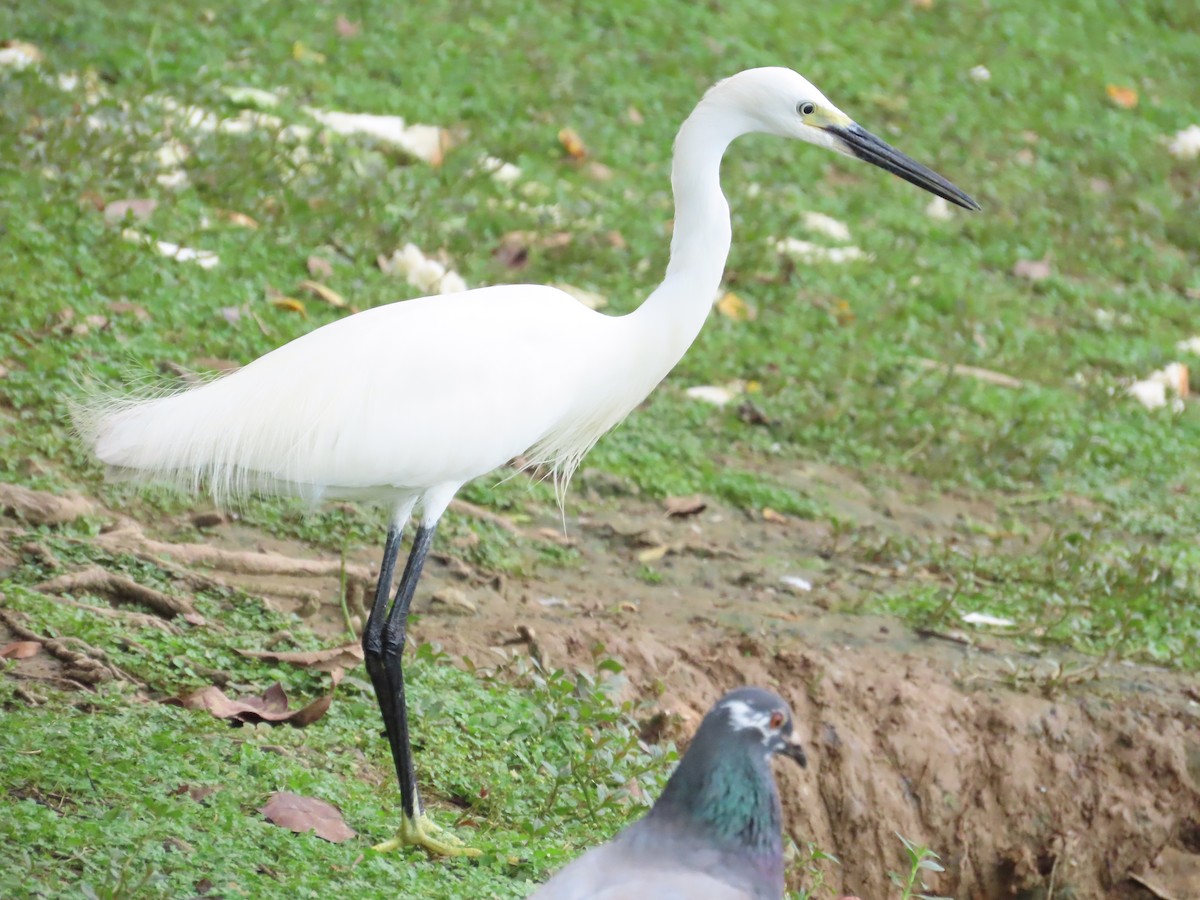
420	832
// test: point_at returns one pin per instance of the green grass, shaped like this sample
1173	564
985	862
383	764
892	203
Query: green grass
530	768
1102	490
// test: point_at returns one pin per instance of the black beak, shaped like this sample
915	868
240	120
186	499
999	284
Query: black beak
790	747
861	143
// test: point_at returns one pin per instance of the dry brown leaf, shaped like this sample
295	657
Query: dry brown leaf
653	554
319	267
1032	269
513	250
291	304
303	814
345	28
20	650
333	658
271	706
198	792
734	307
240	219
124	307
682	507
769	515
140	209
328	294
1124	97
572	143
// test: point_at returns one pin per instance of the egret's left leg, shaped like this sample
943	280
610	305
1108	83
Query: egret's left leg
415	829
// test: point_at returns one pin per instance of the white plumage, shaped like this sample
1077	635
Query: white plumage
405	403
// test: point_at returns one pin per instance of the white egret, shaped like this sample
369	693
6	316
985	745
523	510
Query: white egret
405	403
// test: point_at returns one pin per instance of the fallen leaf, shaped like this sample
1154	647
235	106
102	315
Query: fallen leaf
20	650
769	515
303	814
424	142
241	220
139	209
808	252
513	250
1032	269
319	267
734	307
750	413
346	656
797	583
634	115
598	171
653	554
271	706
572	143
302	53
197	792
1124	97
328	294
345	28
124	307
291	304
682	507
205	259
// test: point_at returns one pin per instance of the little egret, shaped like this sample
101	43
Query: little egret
405	403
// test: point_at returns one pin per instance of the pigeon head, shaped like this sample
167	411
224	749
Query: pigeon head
760	719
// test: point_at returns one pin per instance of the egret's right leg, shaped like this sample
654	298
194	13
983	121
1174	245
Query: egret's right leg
383	645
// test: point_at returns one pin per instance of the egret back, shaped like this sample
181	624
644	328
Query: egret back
395	399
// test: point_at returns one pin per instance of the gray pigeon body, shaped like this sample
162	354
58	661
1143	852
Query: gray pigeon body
716	831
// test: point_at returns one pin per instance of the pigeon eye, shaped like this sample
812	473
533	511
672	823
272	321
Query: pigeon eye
776	719
807	108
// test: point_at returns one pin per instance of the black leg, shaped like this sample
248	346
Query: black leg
372	641
394	634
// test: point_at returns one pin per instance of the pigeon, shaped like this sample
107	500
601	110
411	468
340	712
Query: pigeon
716	831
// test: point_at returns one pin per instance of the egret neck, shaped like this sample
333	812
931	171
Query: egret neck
673	315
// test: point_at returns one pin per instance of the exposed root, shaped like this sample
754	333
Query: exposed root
86	665
131	539
40	508
118	588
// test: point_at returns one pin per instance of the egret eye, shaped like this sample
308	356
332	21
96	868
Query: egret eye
776	719
807	108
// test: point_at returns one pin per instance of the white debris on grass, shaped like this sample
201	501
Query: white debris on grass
808	252
1166	387
820	223
796	582
1191	345
421	272
425	142
716	394
939	209
19	55
205	259
243	95
977	618
979	73
1186	143
502	172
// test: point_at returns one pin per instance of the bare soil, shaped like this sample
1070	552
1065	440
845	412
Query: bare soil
1034	773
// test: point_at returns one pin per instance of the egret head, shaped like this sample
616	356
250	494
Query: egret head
782	102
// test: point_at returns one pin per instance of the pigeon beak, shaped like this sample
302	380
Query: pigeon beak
857	141
790	747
